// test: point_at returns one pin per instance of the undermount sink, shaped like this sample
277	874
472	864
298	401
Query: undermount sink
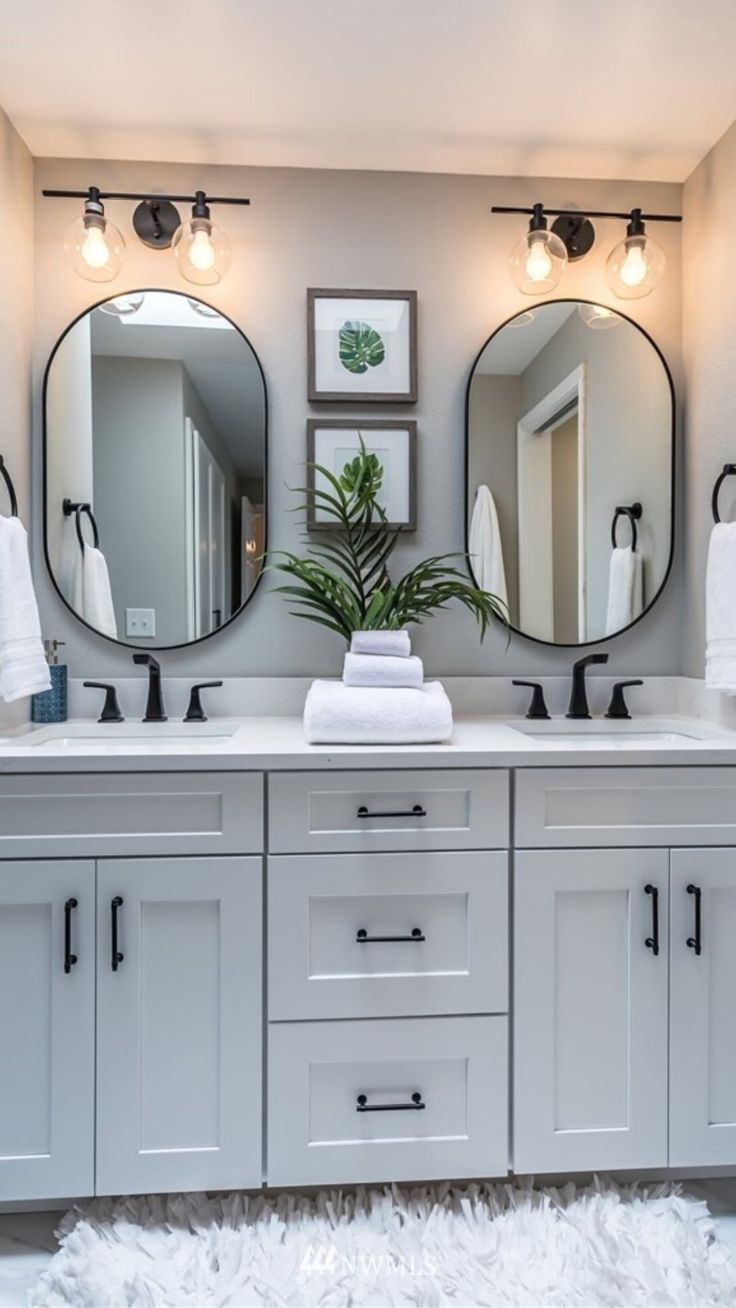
636	731
129	735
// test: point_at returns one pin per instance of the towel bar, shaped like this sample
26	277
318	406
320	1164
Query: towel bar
11	488
631	511
729	470
78	509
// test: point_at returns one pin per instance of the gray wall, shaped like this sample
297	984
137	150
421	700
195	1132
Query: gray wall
710	352
318	228
16	332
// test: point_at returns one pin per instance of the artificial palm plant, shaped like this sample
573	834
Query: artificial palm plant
345	584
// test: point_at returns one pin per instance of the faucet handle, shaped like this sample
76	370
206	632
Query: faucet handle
111	708
617	707
537	707
195	712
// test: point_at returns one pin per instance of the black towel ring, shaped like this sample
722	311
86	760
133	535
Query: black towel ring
78	509
729	470
631	511
11	488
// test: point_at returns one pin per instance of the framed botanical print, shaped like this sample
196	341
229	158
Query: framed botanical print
334	442
362	346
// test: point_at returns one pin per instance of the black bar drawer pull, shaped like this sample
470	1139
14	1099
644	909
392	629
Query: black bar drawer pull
416	811
69	958
652	941
696	941
362	1105
416	938
116	957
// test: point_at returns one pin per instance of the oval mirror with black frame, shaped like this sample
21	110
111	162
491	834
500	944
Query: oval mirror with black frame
569	463
155	418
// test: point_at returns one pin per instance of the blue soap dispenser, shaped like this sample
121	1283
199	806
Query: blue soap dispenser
50	705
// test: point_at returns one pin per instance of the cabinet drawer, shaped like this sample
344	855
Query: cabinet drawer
320	1073
130	813
387	935
360	811
559	807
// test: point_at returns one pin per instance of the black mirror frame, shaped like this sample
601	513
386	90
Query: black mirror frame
124	644
537	640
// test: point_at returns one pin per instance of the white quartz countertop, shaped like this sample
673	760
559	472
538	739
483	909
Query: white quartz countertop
277	744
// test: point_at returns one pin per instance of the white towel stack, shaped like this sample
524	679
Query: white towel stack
23	668
382	699
720	610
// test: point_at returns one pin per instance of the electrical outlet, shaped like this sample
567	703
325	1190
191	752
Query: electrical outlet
140	622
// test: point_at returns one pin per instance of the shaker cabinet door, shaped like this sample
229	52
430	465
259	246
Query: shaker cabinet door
590	1015
179	1024
702	990
47	1029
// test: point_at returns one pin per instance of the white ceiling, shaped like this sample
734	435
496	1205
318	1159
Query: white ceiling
568	88
511	350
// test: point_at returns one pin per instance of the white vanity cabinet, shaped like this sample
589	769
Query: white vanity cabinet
590	1009
703	1008
178	1023
47	1028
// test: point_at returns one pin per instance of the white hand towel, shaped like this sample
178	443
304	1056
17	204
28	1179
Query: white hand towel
97	605
390	644
369	670
720	609
484	546
335	714
625	588
23	668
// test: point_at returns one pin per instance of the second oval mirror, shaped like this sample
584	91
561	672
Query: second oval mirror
569	468
155	467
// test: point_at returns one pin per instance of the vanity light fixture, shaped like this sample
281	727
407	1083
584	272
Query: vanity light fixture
636	265
539	258
96	248
123	306
598	317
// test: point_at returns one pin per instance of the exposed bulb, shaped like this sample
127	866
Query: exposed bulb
94	249
538	263
202	252
634	267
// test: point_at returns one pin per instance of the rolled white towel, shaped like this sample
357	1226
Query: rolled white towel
369	670
335	714
389	644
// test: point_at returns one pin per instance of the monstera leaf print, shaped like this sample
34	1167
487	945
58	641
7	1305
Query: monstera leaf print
361	347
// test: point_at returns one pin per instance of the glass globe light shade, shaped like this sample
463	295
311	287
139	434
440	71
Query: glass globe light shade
202	251
598	317
94	247
123	306
634	267
537	262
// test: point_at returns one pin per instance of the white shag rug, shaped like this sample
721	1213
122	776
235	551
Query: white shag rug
466	1246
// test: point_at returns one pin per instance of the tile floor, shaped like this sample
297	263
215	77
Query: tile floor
27	1239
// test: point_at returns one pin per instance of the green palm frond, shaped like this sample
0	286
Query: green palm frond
345	584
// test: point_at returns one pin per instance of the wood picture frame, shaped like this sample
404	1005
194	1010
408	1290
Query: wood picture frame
392	378
402	484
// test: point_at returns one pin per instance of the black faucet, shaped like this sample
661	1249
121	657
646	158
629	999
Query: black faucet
578	706
154	704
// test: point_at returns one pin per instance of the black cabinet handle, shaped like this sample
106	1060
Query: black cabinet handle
362	1105
69	958
416	811
696	942
416	938
652	941
116	957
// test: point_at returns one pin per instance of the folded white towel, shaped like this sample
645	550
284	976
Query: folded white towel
484	546
335	714
97	606
390	644
625	589
23	668
370	670
720	609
